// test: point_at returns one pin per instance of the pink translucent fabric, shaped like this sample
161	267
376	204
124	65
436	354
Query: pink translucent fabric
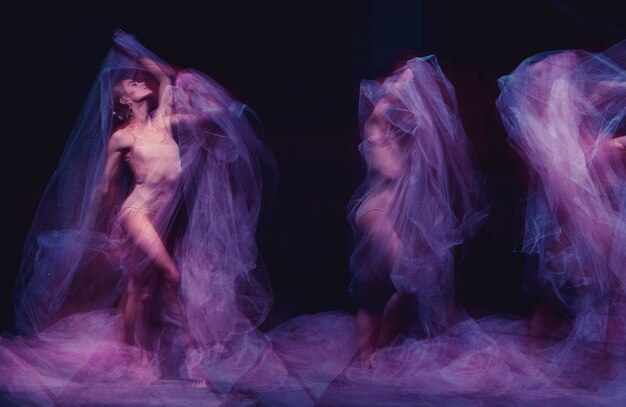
564	114
491	361
422	196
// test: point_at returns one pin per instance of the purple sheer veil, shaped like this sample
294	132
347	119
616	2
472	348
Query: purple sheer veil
76	258
422	196
564	113
68	243
223	191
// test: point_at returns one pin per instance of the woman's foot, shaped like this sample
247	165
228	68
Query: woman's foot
142	368
200	384
365	359
195	372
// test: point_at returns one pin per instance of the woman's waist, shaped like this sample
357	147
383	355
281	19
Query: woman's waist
147	199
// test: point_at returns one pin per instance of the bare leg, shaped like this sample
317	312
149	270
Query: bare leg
140	287
391	321
367	326
137	296
143	235
141	283
131	309
545	321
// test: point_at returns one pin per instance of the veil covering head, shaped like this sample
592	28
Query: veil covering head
563	112
422	193
76	258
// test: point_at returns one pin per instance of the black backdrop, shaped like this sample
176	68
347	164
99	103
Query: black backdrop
298	65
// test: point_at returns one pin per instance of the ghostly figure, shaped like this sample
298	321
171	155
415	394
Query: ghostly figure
422	197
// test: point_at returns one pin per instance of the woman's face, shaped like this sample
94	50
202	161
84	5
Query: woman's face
135	91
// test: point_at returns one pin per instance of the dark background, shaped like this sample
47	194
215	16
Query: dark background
298	65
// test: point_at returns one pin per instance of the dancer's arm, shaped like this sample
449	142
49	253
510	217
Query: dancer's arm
104	194
120	142
162	72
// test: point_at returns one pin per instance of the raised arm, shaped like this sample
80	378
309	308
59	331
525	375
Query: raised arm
161	71
104	196
163	74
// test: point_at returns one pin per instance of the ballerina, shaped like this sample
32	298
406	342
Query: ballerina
143	246
146	143
421	199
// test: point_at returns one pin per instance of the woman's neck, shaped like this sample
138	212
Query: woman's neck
141	114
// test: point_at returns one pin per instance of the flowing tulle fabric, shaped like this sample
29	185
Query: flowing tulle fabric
422	176
76	259
226	292
490	361
564	113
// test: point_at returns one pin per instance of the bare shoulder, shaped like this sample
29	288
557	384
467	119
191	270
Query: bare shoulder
121	139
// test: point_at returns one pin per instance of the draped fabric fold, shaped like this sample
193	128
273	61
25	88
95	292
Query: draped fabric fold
564	114
422	196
